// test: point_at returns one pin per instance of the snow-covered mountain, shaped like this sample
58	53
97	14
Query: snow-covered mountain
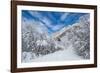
77	35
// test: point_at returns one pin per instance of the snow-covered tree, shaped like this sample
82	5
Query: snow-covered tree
36	41
77	35
82	45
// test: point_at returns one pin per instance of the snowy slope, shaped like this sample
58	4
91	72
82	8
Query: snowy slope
77	35
62	55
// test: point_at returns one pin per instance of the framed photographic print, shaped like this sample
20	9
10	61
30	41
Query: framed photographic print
52	36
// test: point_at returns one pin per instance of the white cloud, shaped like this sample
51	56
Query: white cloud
63	17
44	19
47	22
35	14
57	27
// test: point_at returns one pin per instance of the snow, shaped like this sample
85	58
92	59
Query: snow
26	57
41	42
62	55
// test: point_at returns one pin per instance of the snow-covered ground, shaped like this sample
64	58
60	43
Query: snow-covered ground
62	55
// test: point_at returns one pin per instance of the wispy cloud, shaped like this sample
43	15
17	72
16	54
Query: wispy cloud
47	22
64	16
57	27
35	14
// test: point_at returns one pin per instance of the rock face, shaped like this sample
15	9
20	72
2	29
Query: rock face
77	35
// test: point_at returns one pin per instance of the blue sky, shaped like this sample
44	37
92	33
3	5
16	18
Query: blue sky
53	21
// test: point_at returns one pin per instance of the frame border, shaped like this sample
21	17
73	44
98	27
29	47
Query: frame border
46	4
